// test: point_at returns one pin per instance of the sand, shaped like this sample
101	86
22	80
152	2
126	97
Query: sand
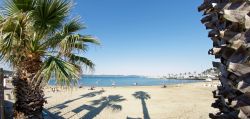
188	101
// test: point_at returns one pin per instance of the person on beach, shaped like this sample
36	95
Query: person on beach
113	84
92	88
164	86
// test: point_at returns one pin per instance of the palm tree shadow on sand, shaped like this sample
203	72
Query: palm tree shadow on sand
64	104
143	96
105	102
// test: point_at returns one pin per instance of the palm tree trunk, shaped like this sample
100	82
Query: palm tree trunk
29	99
229	22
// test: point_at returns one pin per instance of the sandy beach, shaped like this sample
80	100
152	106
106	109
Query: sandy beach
188	101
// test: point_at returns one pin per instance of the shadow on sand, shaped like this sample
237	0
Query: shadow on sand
104	102
8	109
143	96
63	105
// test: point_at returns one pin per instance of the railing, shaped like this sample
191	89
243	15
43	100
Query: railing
1	94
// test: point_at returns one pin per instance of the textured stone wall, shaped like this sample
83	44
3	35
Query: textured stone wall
228	22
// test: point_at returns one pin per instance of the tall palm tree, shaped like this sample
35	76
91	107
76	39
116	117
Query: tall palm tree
38	40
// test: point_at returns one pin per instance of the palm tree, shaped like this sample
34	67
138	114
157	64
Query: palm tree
39	41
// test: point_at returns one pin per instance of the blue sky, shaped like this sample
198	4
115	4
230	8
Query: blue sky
145	37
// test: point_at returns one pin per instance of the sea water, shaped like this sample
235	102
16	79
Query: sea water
105	80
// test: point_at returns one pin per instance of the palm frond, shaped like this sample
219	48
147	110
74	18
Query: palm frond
89	39
25	5
80	47
1	17
67	44
53	41
73	25
49	14
34	47
65	73
70	43
13	37
8	25
6	42
15	6
76	42
81	60
7	36
9	7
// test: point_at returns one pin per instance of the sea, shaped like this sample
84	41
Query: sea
118	80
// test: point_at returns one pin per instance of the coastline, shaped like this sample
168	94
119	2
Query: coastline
130	86
128	81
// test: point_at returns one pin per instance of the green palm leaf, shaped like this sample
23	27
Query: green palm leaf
65	72
73	25
89	39
10	7
81	60
49	14
1	18
15	6
75	42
